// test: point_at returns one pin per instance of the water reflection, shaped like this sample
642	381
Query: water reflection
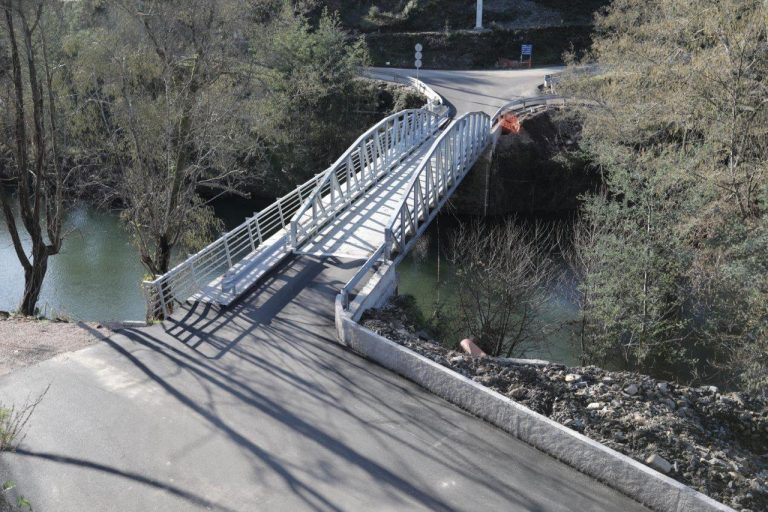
96	276
428	276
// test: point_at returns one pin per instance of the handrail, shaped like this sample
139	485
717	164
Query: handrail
191	275
547	101
369	158
435	101
361	272
449	159
523	103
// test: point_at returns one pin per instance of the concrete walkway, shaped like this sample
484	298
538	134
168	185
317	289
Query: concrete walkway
257	408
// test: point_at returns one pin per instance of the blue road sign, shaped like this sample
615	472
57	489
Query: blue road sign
526	49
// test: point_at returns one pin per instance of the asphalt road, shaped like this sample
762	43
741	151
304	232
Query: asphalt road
471	91
257	409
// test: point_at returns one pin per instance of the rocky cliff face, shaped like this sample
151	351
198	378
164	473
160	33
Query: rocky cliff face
540	171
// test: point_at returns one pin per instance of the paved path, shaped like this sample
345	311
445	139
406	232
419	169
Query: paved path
471	91
258	409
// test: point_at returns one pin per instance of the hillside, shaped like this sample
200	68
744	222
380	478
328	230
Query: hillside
444	27
436	15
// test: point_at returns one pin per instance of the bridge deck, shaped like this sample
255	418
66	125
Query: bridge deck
246	273
355	233
359	230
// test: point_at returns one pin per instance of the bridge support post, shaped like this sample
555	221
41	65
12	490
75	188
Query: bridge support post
387	244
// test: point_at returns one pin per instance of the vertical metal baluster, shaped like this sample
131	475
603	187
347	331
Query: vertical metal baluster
250	235
161	294
226	250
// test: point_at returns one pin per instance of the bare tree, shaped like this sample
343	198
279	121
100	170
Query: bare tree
179	117
581	259
170	85
503	274
34	168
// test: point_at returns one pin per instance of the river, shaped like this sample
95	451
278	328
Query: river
97	275
428	277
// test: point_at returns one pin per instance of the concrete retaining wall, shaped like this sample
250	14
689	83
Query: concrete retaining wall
379	288
628	476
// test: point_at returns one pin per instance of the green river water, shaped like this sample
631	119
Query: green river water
97	274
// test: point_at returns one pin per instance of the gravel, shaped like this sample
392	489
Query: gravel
714	442
28	341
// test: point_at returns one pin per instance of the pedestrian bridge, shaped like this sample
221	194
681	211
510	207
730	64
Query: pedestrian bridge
370	205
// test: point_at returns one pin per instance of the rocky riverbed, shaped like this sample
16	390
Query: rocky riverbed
714	442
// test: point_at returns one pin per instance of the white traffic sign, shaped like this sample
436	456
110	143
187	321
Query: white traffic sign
418	63
418	47
418	55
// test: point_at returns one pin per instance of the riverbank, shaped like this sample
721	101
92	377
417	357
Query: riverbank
716	443
28	341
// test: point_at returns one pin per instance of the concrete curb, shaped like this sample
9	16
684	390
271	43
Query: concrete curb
125	324
618	471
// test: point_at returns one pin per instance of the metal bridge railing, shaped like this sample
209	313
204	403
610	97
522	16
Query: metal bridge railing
371	157
539	103
190	276
449	159
349	288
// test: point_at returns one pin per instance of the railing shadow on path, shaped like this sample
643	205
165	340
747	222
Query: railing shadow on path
264	405
348	374
199	324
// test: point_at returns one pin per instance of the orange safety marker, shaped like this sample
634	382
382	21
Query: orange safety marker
510	124
471	348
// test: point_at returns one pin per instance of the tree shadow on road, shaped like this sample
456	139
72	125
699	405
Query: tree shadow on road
271	362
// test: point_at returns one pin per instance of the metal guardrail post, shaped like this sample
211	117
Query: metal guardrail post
395	134
257	221
193	271
280	212
293	237
161	295
345	299
249	228
226	250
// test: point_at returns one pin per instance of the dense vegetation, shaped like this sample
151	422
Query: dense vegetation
157	108
673	252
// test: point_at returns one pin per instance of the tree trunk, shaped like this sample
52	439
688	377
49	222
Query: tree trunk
33	282
31	164
163	255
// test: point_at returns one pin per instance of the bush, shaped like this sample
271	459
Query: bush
13	421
